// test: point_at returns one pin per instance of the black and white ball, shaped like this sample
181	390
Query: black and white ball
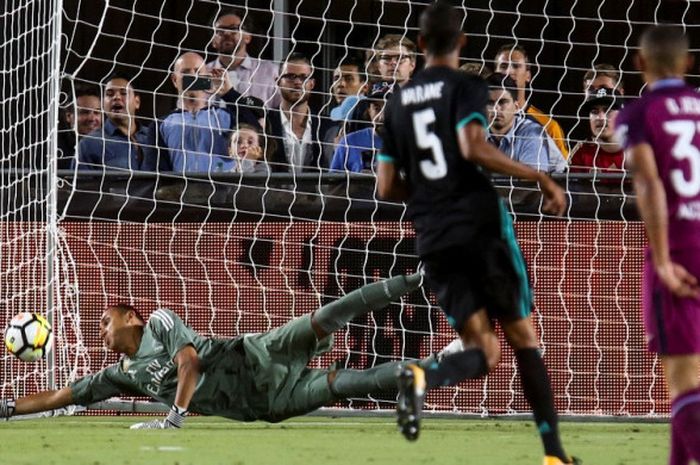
29	337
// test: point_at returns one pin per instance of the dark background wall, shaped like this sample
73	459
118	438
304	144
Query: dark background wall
564	38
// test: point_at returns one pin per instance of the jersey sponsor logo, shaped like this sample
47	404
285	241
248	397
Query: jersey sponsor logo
423	93
165	319
157	372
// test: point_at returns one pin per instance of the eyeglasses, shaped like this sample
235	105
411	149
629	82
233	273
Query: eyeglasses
293	77
397	58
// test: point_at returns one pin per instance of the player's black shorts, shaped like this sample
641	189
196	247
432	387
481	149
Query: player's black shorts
488	272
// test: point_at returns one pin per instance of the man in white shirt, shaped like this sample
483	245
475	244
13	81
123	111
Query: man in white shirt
293	126
233	32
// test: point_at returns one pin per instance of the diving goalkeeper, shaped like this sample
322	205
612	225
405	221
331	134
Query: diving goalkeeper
262	376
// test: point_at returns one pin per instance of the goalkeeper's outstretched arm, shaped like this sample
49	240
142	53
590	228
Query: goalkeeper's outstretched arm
39	402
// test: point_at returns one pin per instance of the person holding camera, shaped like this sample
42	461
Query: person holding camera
195	134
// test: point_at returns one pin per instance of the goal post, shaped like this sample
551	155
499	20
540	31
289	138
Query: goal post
233	254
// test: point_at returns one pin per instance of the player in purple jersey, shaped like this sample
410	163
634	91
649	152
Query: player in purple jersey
661	135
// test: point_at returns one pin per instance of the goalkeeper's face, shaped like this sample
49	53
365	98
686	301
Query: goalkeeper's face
116	329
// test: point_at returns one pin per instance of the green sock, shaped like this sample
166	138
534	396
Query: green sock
375	296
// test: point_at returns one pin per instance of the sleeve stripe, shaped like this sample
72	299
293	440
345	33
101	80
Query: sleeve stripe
164	318
385	158
468	119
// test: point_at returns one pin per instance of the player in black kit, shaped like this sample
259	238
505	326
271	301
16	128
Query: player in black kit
434	147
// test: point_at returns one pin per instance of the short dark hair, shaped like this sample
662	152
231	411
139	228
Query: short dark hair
500	81
123	309
663	46
440	27
119	75
247	22
353	61
510	48
82	89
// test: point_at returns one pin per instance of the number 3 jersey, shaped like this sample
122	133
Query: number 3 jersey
451	199
668	119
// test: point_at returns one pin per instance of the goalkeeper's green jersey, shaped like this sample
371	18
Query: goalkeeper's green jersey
231	371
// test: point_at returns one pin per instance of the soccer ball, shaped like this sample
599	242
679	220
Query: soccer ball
29	337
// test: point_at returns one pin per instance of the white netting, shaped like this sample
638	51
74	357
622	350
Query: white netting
238	254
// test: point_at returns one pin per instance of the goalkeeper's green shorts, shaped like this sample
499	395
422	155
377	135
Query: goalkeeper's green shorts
278	360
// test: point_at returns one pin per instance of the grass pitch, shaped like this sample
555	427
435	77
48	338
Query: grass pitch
319	440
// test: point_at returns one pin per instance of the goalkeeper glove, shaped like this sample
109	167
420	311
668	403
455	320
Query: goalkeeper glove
7	408
175	419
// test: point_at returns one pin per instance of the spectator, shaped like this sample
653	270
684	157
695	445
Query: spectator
602	75
86	114
122	142
476	69
600	152
233	32
247	153
196	133
293	126
516	135
349	85
393	59
512	60
356	151
82	116
348	88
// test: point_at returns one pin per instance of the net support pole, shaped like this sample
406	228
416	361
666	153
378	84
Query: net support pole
54	75
280	31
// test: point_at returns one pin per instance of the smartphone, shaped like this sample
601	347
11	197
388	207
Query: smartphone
190	82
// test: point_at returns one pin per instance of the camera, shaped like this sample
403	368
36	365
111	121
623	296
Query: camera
190	82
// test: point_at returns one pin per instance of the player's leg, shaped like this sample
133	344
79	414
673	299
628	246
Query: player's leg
316	388
513	312
481	354
536	385
309	392
346	383
375	296
681	373
673	332
455	275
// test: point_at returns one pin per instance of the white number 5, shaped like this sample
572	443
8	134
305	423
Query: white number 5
437	167
684	149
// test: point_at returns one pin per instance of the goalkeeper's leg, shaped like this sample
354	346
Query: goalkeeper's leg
346	383
317	388
333	316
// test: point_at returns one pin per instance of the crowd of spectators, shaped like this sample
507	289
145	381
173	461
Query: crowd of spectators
241	114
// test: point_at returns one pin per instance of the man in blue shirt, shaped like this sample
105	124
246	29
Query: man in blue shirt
356	151
122	142
195	134
523	139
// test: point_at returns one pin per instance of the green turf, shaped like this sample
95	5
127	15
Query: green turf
319	440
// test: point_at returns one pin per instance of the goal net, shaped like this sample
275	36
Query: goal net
233	254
